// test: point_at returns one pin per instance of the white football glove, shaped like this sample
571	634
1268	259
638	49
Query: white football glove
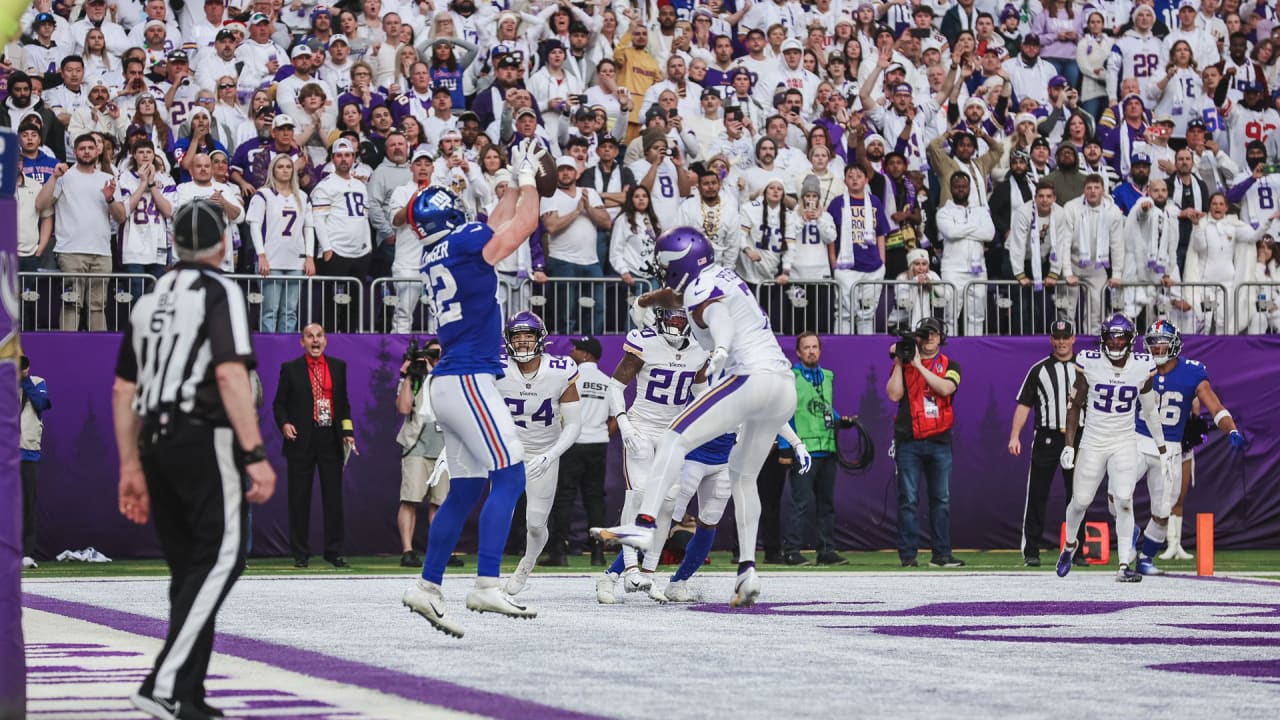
518	153
1171	463
637	446
803	459
440	471
1068	458
535	468
715	363
530	162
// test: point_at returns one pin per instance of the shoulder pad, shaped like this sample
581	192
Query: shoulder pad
642	333
702	289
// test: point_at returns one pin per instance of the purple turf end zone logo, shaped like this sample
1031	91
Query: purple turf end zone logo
1225	625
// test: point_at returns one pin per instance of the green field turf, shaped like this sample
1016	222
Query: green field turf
1252	561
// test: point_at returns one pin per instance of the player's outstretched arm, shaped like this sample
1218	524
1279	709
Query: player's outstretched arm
1149	402
515	219
1206	397
1079	393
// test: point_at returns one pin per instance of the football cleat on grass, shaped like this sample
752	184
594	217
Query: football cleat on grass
656	594
1125	575
606	589
746	589
1065	562
486	596
426	599
631	535
635	581
520	577
678	591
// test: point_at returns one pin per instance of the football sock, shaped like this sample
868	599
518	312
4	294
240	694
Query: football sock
695	553
1075	516
506	485
618	565
662	527
1124	531
630	505
1152	539
443	534
745	566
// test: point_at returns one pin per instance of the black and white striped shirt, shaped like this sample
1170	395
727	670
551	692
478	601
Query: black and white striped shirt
193	321
1047	388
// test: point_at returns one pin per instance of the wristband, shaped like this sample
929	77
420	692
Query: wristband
256	455
1223	413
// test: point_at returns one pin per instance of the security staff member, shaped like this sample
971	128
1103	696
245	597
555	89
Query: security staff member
582	465
188	435
1047	388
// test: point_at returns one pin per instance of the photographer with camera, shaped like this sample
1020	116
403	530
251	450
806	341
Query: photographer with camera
421	444
923	382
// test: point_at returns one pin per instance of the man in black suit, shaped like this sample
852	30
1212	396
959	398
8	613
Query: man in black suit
314	415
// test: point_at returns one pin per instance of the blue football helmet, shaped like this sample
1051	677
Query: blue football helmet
682	253
434	212
1163	332
525	322
672	324
1118	335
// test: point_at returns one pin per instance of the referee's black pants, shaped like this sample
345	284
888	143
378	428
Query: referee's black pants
582	469
325	458
196	488
1046	454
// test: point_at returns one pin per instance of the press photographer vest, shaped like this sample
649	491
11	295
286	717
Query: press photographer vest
812	403
930	415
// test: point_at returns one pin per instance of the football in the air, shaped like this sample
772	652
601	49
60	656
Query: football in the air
547	175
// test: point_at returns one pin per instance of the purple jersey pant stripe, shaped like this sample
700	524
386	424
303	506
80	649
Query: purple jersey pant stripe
702	404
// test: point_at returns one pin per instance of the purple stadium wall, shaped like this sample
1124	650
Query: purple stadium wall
77	501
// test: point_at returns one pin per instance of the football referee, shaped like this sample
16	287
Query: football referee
1047	389
188	434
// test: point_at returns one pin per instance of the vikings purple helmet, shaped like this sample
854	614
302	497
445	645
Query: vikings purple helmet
525	322
682	254
434	212
1163	332
1118	334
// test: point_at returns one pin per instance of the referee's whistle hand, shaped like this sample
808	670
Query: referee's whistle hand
263	482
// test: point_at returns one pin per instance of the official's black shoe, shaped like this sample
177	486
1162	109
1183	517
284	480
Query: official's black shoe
553	560
910	562
1031	561
831	558
204	707
1079	560
795	559
339	562
410	559
169	709
301	564
773	557
950	561
456	561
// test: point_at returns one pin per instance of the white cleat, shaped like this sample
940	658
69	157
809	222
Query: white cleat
1180	554
678	591
426	599
29	563
486	596
520	577
606	589
656	594
746	589
632	535
635	581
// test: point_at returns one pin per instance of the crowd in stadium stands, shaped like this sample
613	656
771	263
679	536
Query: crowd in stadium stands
1095	156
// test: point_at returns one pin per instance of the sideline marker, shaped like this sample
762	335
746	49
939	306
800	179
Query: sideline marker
1204	544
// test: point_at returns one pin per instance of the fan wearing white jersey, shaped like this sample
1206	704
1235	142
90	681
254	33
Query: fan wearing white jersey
758	394
148	194
1137	54
279	219
541	392
1111	380
202	185
666	366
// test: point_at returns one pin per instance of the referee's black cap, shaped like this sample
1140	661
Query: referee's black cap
1061	329
198	225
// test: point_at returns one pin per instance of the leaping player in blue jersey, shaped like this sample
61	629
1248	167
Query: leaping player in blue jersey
1178	381
481	445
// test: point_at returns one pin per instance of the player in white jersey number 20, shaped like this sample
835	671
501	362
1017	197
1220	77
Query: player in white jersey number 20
541	391
1111	380
757	394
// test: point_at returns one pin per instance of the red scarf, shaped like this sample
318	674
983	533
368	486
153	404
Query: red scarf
321	386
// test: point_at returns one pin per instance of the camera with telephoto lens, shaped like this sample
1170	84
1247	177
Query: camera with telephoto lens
418	358
905	349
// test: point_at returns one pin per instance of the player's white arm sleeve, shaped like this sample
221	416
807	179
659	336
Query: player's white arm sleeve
309	241
1151	415
788	433
571	426
617	401
255	234
718	323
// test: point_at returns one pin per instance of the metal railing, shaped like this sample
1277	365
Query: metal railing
1196	308
1258	308
799	306
287	303
1009	307
892	306
585	306
73	301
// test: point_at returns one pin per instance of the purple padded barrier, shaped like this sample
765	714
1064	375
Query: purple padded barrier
987	488
13	671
